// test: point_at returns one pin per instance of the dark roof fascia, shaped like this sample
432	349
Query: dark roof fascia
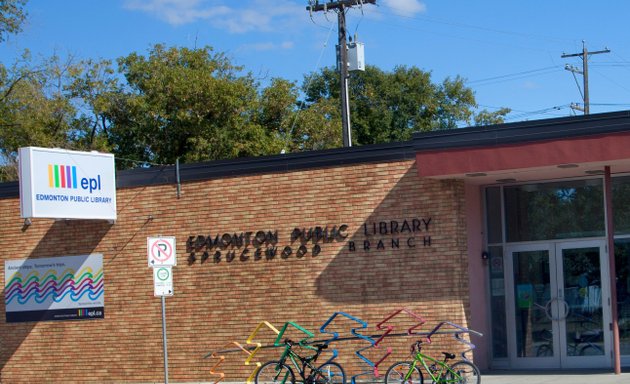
10	189
158	175
523	132
267	164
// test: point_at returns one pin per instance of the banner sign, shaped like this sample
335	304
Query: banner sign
56	288
62	184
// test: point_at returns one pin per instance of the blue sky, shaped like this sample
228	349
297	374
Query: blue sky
509	51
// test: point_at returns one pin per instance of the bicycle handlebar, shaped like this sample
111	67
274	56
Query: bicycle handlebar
320	347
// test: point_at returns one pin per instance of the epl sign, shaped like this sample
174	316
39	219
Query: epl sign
62	184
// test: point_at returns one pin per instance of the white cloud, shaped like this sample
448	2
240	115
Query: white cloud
267	46
178	12
405	7
247	16
530	85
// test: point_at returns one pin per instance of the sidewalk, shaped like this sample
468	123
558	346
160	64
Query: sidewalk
544	377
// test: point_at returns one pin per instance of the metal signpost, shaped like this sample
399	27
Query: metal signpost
162	257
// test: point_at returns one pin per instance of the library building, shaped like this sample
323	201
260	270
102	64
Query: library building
510	241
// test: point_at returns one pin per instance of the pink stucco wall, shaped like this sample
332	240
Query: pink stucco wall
477	275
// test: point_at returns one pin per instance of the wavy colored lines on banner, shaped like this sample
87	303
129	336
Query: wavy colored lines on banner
52	287
34	276
213	370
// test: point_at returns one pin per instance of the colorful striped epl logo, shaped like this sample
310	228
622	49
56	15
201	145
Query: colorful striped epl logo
62	176
82	312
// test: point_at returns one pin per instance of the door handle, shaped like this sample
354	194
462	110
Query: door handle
559	317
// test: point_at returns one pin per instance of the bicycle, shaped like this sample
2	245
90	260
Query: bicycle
578	344
439	371
584	340
278	371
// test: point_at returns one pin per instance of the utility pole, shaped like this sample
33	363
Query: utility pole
340	7
584	72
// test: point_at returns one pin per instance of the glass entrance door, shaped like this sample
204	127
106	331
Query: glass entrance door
558	310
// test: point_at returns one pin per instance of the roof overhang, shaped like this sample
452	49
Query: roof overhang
546	149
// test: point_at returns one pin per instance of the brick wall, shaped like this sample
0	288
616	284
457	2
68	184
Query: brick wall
422	266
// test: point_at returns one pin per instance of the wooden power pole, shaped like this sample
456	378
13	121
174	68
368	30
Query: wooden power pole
340	7
584	72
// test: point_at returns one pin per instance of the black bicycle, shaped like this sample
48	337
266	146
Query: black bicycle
278	371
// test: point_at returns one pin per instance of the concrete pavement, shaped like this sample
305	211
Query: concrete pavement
545	377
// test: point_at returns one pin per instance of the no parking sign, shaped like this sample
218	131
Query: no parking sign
161	251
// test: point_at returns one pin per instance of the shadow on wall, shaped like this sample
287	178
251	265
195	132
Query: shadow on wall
83	237
410	249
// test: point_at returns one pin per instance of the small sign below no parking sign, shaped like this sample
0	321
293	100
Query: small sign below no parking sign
163	281
161	251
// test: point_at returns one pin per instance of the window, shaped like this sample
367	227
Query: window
622	266
621	204
560	210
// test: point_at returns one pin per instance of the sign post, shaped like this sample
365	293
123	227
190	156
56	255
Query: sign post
164	340
162	257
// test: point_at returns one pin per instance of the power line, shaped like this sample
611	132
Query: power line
584	55
472	26
308	83
545	111
613	81
517	75
340	7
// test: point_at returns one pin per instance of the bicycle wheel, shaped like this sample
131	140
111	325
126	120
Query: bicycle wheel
591	350
330	373
396	374
544	350
463	372
274	372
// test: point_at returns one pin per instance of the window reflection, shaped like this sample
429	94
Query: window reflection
622	266
546	211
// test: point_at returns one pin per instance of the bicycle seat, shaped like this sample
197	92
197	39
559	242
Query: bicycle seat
448	355
320	346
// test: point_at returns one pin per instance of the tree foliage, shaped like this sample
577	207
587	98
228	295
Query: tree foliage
192	104
196	105
12	16
37	108
390	106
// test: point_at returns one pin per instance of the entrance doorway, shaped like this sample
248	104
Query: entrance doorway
558	305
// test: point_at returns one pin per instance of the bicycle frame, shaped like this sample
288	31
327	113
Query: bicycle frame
437	375
304	362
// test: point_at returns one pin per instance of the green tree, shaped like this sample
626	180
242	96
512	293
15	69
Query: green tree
390	106
12	16
490	118
37	108
195	105
92	89
192	104
33	110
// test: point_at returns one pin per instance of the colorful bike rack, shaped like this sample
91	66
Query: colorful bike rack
252	347
309	334
257	346
457	335
354	331
222	358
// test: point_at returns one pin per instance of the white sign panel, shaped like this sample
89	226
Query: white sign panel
161	251
54	288
163	281
62	184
